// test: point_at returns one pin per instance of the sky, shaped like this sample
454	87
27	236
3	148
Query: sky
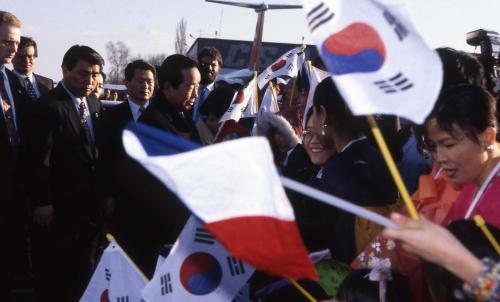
148	27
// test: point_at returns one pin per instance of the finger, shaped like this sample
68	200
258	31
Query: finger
405	222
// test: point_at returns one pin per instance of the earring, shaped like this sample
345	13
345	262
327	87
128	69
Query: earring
489	148
323	127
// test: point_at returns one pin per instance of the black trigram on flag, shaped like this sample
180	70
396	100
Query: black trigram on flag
319	15
122	299
399	28
236	267
107	274
394	84
243	295
166	284
203	236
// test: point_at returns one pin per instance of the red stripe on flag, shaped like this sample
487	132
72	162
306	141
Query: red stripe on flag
270	245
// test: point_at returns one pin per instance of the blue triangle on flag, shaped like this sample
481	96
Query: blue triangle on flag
157	142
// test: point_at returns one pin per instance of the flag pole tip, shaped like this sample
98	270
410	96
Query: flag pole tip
479	220
109	237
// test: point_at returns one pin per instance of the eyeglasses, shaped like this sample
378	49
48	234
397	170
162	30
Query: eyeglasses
205	65
307	135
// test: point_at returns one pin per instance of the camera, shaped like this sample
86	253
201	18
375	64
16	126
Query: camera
489	43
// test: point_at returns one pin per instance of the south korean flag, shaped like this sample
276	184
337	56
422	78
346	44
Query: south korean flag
198	269
378	61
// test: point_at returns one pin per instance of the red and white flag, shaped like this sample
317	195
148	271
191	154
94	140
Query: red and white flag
377	59
287	65
234	188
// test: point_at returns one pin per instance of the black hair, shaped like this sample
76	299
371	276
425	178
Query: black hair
27	42
444	283
470	107
171	70
211	52
218	101
460	68
81	52
339	116
356	287
308	115
138	64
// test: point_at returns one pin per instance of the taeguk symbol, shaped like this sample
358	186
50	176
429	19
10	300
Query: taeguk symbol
356	48
200	273
278	65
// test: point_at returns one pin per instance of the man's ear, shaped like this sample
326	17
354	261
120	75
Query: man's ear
167	88
64	69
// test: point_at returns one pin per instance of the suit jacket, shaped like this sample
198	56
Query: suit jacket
162	115
13	162
44	84
65	162
140	204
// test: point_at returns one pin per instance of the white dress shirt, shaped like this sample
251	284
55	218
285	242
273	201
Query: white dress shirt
88	118
134	108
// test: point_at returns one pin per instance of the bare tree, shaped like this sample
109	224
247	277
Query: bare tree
118	57
154	59
180	37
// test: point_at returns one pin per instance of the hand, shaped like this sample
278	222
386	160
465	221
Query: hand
435	244
44	215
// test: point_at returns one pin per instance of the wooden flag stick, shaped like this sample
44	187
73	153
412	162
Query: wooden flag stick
482	225
256	102
392	167
292	94
110	238
302	291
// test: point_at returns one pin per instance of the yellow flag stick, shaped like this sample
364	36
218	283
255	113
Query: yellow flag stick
392	167
275	99
482	225
110	239
302	291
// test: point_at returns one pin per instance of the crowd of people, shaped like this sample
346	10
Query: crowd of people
67	180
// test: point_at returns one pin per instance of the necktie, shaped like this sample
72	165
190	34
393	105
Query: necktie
201	99
140	111
82	109
30	90
8	114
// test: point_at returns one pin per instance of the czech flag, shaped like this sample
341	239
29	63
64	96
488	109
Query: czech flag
234	188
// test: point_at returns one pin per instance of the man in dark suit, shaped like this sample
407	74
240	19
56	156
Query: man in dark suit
148	200
34	85
209	65
179	80
66	189
129	220
13	119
